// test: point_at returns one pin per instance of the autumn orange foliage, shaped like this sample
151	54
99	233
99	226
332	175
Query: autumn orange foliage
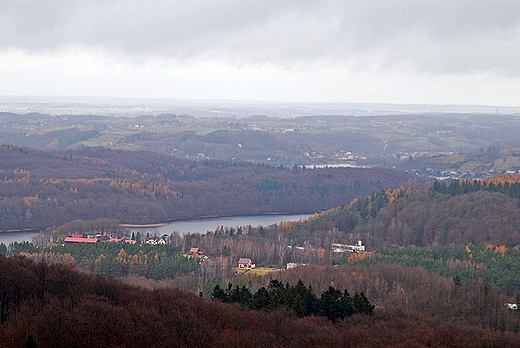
353	257
501	249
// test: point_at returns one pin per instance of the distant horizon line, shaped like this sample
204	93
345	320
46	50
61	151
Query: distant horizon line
210	108
251	101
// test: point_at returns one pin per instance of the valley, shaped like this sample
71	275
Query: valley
440	145
378	230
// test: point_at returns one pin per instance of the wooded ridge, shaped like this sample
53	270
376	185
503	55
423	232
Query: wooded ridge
41	189
52	305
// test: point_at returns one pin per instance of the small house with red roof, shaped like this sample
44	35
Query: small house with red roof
245	262
196	251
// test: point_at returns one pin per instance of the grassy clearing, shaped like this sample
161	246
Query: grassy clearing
508	162
416	143
260	271
469	166
101	140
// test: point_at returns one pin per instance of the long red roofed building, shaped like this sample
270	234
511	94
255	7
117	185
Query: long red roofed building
75	238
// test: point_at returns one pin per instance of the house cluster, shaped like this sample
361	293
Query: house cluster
345	248
243	262
291	265
155	241
78	238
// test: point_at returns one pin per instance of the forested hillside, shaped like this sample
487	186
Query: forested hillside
441	259
424	217
41	189
409	288
255	145
156	262
468	230
52	305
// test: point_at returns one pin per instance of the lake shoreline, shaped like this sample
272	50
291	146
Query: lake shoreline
24	230
144	225
160	224
201	224
206	224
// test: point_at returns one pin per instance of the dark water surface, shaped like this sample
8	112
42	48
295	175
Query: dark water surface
210	224
183	226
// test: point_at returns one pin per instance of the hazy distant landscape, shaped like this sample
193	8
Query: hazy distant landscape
458	141
358	163
131	107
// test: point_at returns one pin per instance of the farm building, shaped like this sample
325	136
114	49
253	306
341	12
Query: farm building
80	239
196	251
244	262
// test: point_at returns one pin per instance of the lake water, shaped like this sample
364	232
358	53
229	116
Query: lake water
9	237
183	226
204	225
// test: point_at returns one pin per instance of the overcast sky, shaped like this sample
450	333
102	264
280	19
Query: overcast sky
419	52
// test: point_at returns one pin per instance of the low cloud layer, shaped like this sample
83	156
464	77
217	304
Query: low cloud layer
440	51
433	36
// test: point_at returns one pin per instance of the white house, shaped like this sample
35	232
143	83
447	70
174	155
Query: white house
244	262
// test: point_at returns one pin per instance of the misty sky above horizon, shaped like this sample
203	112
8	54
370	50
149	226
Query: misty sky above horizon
387	51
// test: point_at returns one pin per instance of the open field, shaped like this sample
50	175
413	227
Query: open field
260	271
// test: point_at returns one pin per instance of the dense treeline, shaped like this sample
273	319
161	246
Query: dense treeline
498	264
52	305
333	304
393	218
421	217
116	259
476	302
41	189
507	184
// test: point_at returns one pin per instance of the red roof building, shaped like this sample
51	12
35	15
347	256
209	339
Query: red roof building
197	251
76	239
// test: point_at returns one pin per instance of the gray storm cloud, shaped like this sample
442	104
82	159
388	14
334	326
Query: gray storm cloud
431	36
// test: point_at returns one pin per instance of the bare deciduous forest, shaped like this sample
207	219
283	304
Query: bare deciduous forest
441	256
53	305
42	189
